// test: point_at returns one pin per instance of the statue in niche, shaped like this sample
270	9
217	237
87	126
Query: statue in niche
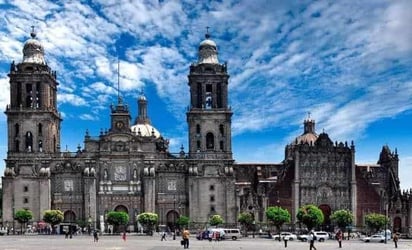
134	174
105	175
162	145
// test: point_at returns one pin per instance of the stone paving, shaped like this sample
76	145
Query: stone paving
58	242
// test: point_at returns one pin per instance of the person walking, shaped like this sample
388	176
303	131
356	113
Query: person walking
395	239
185	237
312	241
285	239
163	236
95	236
124	236
339	238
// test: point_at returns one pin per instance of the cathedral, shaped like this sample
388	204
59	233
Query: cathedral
129	168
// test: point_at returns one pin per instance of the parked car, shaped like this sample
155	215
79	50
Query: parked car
232	233
285	235
321	236
374	238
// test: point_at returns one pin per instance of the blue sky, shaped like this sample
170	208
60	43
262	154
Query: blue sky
347	62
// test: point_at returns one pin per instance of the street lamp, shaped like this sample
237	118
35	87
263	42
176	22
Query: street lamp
71	212
174	217
386	222
277	208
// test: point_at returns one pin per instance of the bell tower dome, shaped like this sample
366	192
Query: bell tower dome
33	120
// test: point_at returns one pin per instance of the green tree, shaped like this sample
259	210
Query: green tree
183	221
117	218
278	216
310	215
148	221
215	220
246	220
53	217
342	218
376	221
23	216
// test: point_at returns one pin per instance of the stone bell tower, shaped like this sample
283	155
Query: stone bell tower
32	118
33	130
211	182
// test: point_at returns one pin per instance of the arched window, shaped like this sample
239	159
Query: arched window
210	141
222	130
40	129
219	95
29	96
198	145
29	141
16	130
198	129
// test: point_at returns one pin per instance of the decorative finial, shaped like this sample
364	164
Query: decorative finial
32	33
309	115
207	35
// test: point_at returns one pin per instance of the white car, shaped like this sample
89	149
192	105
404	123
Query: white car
321	236
285	235
375	238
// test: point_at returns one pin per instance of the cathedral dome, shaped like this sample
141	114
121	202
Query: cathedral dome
208	51
208	42
33	51
309	136
145	130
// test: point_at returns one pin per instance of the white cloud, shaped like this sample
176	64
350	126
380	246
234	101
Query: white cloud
72	99
405	173
4	93
87	117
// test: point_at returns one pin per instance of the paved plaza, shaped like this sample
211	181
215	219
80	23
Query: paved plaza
58	242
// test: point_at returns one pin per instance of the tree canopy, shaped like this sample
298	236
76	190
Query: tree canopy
342	218
23	216
376	221
148	220
183	221
117	218
53	217
246	220
278	216
310	215
215	220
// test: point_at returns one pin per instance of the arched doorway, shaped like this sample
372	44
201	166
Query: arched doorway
120	228
69	216
69	223
171	218
121	208
327	211
397	225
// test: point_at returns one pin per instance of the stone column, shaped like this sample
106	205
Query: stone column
295	189
354	204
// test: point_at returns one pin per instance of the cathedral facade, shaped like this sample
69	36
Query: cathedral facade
129	168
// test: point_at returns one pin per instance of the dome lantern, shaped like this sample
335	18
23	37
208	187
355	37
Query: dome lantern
208	50
33	51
